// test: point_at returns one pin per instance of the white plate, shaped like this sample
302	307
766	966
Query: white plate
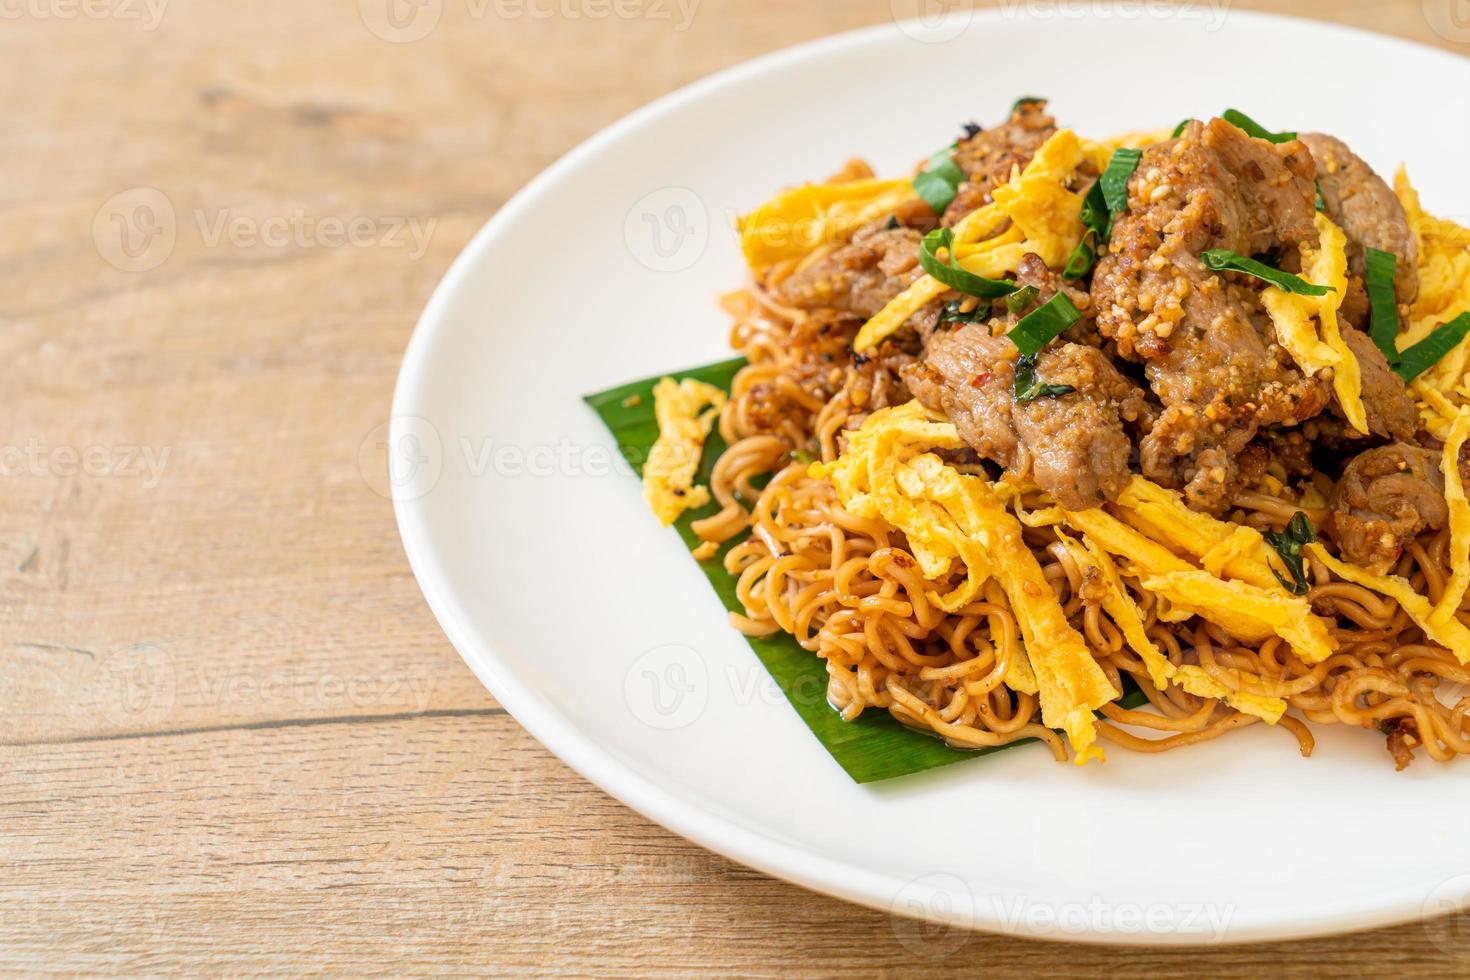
592	625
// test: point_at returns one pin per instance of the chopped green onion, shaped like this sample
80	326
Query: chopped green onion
802	456
953	314
1095	210
1105	200
1115	178
940	180
1029	387
1021	298
1288	545
1224	260
1026	100
1179	129
1427	352
1321	204
1240	120
1083	257
951	274
1039	327
1382	267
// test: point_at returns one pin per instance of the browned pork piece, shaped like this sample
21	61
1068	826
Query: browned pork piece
1207	343
861	276
1390	410
1366	209
990	156
1386	496
1073	445
858	278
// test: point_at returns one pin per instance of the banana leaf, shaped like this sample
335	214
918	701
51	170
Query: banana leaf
873	747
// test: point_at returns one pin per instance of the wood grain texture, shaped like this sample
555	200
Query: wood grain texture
232	738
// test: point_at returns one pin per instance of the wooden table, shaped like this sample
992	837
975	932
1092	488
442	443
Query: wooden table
231	735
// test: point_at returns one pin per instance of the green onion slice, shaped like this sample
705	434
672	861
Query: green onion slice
940	180
1021	298
1105	200
1427	352
1115	178
951	274
1029	387
1381	297
1179	129
1083	257
1224	260
1288	545
1026	100
1321	204
1095	211
1039	327
1240	120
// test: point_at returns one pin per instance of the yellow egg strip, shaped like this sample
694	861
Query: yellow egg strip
1454	497
1449	633
1293	316
685	411
1248	610
888	473
1233	550
796	221
1196	681
1045	216
1437	412
1124	612
1444	291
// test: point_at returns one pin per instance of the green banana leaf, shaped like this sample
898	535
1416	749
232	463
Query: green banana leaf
873	747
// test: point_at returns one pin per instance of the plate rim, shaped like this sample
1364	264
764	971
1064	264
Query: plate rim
622	781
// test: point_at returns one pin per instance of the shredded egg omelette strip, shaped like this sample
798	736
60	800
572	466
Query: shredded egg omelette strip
1232	550
796	221
1449	633
1045	218
1126	616
1293	316
889	473
1444	293
1459	508
1248	610
1444	282
685	411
